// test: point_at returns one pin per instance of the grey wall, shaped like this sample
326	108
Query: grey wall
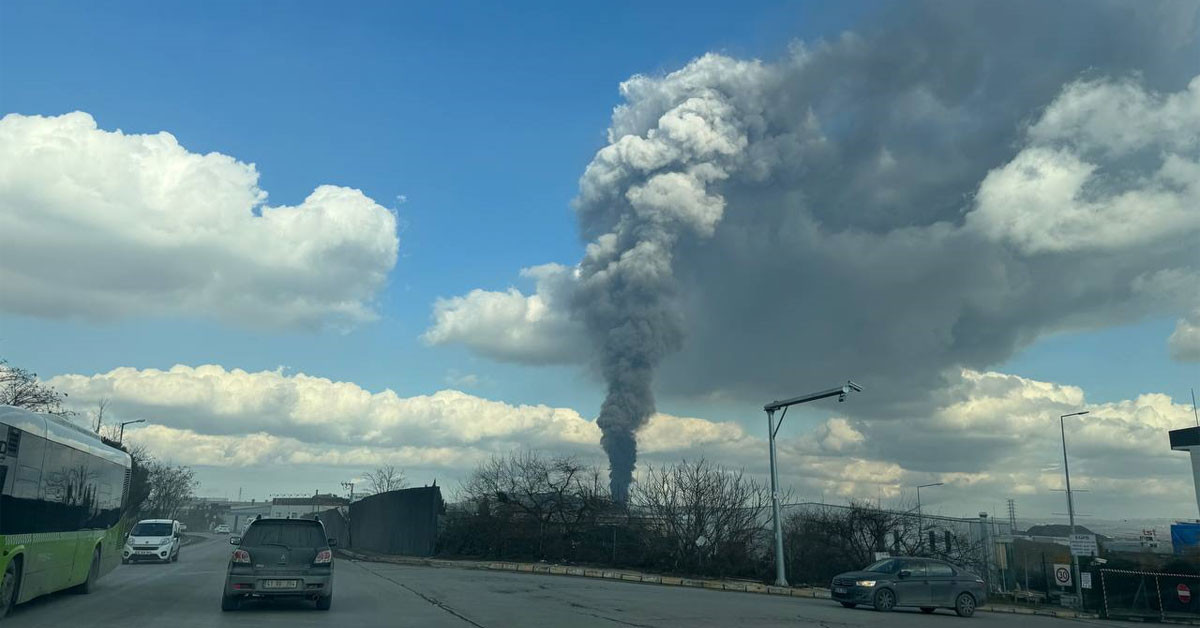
397	522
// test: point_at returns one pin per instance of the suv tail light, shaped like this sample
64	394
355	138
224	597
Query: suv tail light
324	557
241	556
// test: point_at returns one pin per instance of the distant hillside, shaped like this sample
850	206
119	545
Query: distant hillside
1058	529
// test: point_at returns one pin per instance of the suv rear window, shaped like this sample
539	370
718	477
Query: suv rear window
291	534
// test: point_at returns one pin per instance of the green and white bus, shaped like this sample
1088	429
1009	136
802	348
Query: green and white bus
60	507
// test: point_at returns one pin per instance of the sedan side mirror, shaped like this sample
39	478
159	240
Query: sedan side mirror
332	542
235	540
904	573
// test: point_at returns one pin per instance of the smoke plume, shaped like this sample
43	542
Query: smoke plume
641	194
933	191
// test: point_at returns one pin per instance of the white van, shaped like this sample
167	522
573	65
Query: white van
153	539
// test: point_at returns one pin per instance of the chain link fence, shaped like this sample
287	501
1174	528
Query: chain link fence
1149	595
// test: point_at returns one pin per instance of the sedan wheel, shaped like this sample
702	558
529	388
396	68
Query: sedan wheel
885	600
964	605
230	603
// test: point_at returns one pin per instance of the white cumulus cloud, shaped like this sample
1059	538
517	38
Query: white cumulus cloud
211	415
513	326
104	224
988	436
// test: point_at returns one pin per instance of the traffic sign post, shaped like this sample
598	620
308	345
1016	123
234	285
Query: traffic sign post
1062	575
1084	545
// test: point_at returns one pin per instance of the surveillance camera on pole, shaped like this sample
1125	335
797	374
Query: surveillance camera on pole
772	429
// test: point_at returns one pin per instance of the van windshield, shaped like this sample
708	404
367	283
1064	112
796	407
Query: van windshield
285	533
151	529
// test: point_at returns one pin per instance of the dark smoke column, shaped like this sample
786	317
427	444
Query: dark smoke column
625	304
673	142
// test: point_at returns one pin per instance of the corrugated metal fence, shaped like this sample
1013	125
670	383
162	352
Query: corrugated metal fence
403	522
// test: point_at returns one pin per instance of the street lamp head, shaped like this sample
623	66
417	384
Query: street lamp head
1075	414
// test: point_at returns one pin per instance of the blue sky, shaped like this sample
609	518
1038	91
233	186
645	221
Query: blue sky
474	122
481	117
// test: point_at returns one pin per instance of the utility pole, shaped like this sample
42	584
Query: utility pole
1012	515
349	507
1071	503
772	428
920	515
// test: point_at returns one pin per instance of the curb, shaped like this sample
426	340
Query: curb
668	581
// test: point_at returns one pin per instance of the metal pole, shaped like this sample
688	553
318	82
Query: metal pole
920	539
780	578
121	434
839	392
1070	508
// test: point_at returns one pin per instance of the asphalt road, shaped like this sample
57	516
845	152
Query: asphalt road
187	594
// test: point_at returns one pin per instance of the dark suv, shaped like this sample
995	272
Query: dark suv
280	558
925	583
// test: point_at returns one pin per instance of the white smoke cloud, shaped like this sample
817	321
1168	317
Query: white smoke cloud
103	224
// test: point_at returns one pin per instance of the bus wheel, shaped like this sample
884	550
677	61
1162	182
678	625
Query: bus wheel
89	585
8	586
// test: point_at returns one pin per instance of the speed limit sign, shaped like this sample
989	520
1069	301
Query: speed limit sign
1062	575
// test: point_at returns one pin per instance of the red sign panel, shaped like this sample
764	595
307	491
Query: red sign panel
1185	594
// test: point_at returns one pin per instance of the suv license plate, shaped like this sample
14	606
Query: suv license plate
839	589
279	584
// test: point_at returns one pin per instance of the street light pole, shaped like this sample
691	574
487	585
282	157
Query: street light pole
349	534
772	428
1071	503
920	517
121	436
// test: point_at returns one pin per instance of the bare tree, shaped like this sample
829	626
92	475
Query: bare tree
20	387
702	517
823	540
171	488
101	405
385	478
530	504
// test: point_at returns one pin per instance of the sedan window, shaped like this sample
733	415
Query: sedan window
940	570
917	567
884	566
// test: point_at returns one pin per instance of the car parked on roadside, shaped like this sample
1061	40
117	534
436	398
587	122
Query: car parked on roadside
221	529
925	583
153	540
280	558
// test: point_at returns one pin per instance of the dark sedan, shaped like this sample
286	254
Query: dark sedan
280	558
925	583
